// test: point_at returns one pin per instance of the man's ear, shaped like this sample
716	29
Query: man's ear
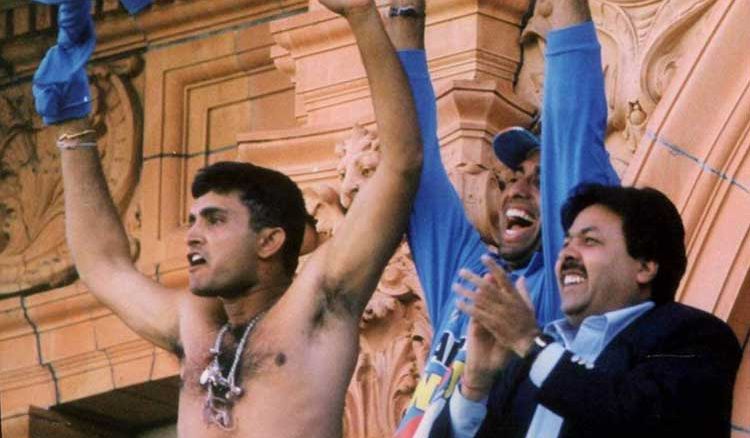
270	241
647	271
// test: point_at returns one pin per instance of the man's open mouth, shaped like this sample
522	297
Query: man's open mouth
570	279
517	220
572	272
195	259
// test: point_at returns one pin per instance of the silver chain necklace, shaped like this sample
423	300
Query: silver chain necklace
223	391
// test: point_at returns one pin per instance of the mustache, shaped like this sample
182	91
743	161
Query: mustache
571	263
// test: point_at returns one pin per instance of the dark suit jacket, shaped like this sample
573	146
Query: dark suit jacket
670	373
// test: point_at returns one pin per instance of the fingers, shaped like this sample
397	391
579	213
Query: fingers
501	278
483	304
487	282
475	304
497	271
464	305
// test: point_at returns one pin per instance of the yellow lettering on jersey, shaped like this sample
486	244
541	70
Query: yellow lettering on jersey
425	390
458	370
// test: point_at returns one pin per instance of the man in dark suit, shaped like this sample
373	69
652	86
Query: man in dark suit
625	361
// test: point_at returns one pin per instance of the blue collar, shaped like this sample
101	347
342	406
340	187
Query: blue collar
596	331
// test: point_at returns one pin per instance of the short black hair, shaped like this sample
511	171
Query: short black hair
651	224
272	198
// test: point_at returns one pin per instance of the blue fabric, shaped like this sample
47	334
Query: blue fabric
574	120
442	239
466	415
135	6
60	84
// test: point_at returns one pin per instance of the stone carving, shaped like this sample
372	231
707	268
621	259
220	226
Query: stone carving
481	186
33	253
643	44
395	331
322	203
360	156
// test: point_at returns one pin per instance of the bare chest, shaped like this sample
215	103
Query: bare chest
220	369
256	388
230	376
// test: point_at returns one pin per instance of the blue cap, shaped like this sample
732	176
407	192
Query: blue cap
513	145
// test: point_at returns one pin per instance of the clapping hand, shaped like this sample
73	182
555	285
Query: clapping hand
499	307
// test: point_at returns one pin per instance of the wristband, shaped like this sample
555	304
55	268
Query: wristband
73	144
405	11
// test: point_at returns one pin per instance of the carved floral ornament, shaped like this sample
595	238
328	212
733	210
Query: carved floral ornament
33	254
644	42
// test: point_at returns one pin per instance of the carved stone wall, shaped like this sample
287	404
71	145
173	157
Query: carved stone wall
191	82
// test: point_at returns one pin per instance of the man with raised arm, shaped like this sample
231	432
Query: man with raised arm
263	354
441	238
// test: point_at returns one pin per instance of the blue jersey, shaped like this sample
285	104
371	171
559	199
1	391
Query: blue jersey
441	238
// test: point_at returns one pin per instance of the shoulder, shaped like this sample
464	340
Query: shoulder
676	322
680	315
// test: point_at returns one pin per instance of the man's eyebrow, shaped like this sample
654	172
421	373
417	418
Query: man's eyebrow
207	211
583	231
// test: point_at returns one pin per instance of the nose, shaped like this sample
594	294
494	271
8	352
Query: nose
193	236
568	252
520	188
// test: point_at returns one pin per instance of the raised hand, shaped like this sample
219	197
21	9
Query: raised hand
347	7
499	307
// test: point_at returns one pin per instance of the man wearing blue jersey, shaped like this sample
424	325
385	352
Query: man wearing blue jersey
442	239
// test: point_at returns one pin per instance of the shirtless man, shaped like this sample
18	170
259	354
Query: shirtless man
286	347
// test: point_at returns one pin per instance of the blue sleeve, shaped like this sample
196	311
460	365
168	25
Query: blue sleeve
441	238
574	119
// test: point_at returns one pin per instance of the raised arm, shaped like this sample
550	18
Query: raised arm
437	211
574	122
354	258
100	246
95	234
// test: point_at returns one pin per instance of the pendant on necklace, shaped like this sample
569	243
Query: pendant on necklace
212	374
221	392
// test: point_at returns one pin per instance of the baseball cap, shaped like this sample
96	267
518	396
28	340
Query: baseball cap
513	145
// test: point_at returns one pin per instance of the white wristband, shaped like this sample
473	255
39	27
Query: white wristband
74	144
